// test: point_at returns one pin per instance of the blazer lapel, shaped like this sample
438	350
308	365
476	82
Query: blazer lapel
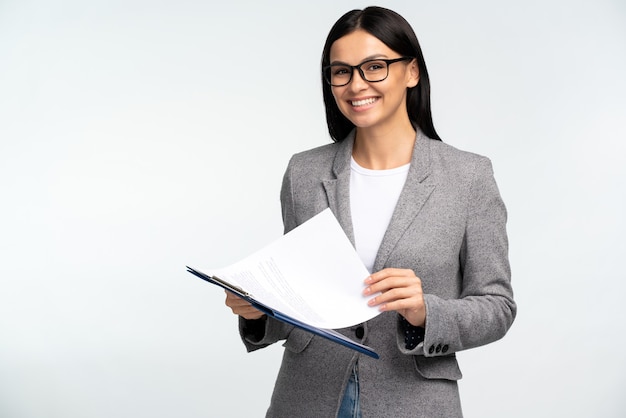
415	193
338	189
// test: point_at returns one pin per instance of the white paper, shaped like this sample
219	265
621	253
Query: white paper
312	274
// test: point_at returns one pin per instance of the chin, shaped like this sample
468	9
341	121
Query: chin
362	122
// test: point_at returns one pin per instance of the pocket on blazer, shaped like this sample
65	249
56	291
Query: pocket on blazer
297	340
442	367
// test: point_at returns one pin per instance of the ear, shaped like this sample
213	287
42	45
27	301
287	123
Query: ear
414	74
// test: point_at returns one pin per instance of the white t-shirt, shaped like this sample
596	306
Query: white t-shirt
373	198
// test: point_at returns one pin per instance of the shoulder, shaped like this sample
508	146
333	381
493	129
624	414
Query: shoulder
315	162
442	152
448	159
317	154
465	174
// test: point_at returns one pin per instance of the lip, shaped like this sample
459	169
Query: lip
363	103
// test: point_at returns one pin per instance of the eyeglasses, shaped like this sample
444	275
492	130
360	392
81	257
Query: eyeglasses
373	71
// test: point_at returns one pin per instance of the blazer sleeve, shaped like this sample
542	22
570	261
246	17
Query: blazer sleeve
260	333
485	309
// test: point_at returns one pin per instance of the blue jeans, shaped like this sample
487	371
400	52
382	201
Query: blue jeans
350	403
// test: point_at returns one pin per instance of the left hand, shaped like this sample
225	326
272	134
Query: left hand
401	291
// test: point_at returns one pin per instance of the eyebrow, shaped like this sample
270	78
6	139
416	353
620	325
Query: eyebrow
371	57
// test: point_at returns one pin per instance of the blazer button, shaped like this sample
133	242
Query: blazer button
444	349
359	332
438	349
431	349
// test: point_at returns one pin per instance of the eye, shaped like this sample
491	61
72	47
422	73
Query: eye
375	65
339	70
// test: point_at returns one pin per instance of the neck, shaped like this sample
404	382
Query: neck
382	150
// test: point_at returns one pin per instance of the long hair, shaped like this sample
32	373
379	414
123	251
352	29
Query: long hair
395	32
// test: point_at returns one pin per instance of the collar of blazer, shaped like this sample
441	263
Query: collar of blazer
414	195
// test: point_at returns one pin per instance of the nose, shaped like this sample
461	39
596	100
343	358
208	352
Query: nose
358	83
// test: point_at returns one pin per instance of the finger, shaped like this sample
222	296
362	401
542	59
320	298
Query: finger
391	283
245	310
231	296
393	295
239	305
412	309
242	307
234	301
388	272
253	314
399	301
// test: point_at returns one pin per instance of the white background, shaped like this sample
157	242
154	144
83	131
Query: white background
140	136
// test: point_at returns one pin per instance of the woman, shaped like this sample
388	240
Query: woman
427	220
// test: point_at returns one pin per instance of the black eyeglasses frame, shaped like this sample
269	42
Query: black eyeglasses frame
360	70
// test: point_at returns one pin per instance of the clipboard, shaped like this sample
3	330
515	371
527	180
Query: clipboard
329	334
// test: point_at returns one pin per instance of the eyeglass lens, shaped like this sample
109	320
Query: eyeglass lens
375	70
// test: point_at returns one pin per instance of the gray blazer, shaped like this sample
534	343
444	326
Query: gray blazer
449	227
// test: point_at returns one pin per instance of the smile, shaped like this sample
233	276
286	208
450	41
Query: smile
364	102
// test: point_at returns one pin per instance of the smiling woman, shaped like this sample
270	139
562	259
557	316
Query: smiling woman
378	32
426	219
135	140
376	101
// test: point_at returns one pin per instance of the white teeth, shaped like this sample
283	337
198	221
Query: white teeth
363	102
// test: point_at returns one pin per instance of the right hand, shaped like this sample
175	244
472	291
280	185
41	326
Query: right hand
242	307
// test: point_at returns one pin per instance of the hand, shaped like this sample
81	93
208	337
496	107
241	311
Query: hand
242	307
400	290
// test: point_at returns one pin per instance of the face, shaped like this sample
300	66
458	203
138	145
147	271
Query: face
372	104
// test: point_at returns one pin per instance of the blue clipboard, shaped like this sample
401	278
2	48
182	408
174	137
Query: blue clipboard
329	334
